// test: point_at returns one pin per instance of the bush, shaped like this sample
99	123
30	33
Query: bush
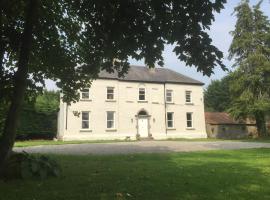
26	166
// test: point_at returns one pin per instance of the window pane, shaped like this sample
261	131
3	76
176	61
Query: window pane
189	117
169	116
141	94
170	123
85	115
85	124
110	93
110	116
188	96
109	96
142	97
110	124
189	123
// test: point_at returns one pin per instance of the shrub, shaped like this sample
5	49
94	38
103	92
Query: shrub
27	166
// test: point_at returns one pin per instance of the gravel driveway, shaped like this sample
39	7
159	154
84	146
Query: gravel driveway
140	147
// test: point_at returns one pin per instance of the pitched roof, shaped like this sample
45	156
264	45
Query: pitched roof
224	118
144	74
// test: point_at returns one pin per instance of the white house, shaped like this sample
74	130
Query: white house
147	103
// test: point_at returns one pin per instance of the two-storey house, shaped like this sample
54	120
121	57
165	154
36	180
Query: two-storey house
158	103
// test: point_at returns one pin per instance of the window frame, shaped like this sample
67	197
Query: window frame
110	88
81	94
171	120
189	120
113	120
140	89
85	120
171	95
188	92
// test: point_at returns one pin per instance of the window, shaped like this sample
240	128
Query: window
110	93
85	120
141	94
189	120
188	97
110	119
169	96
85	93
170	119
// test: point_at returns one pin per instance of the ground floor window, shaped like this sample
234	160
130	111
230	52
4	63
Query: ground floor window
85	120
110	119
170	120
189	120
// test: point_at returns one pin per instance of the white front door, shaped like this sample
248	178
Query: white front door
143	126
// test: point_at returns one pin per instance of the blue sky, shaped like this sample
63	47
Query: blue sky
219	32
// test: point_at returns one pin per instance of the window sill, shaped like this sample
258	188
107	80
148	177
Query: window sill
155	103
190	128
111	130
86	100
169	102
171	128
85	130
142	101
110	100
189	103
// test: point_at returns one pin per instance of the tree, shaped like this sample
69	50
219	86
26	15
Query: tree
217	96
70	41
251	80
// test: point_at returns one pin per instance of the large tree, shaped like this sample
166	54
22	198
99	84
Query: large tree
70	41
217	96
251	49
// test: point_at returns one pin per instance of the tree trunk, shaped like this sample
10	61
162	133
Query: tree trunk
260	123
20	82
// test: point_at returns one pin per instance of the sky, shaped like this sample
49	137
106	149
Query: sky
220	34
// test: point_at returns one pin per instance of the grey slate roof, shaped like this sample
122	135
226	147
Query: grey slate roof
156	75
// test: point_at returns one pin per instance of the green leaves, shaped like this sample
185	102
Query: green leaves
40	167
250	47
74	40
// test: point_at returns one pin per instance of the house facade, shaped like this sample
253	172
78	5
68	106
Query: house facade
147	103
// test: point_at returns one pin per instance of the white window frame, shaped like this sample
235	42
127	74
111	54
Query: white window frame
171	120
189	120
110	88
83	120
171	96
113	120
188	92
81	94
140	89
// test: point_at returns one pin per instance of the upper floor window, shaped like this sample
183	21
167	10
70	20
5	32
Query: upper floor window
85	120
189	120
110	119
110	93
170	120
141	94
85	93
188	97
169	96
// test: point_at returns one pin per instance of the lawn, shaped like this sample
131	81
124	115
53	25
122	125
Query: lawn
215	175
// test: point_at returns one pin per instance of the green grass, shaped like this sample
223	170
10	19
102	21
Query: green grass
212	175
29	143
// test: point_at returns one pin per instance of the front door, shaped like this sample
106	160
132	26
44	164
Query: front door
143	126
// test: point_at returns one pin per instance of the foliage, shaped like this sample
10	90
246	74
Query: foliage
217	96
26	166
216	175
73	41
38	119
251	49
